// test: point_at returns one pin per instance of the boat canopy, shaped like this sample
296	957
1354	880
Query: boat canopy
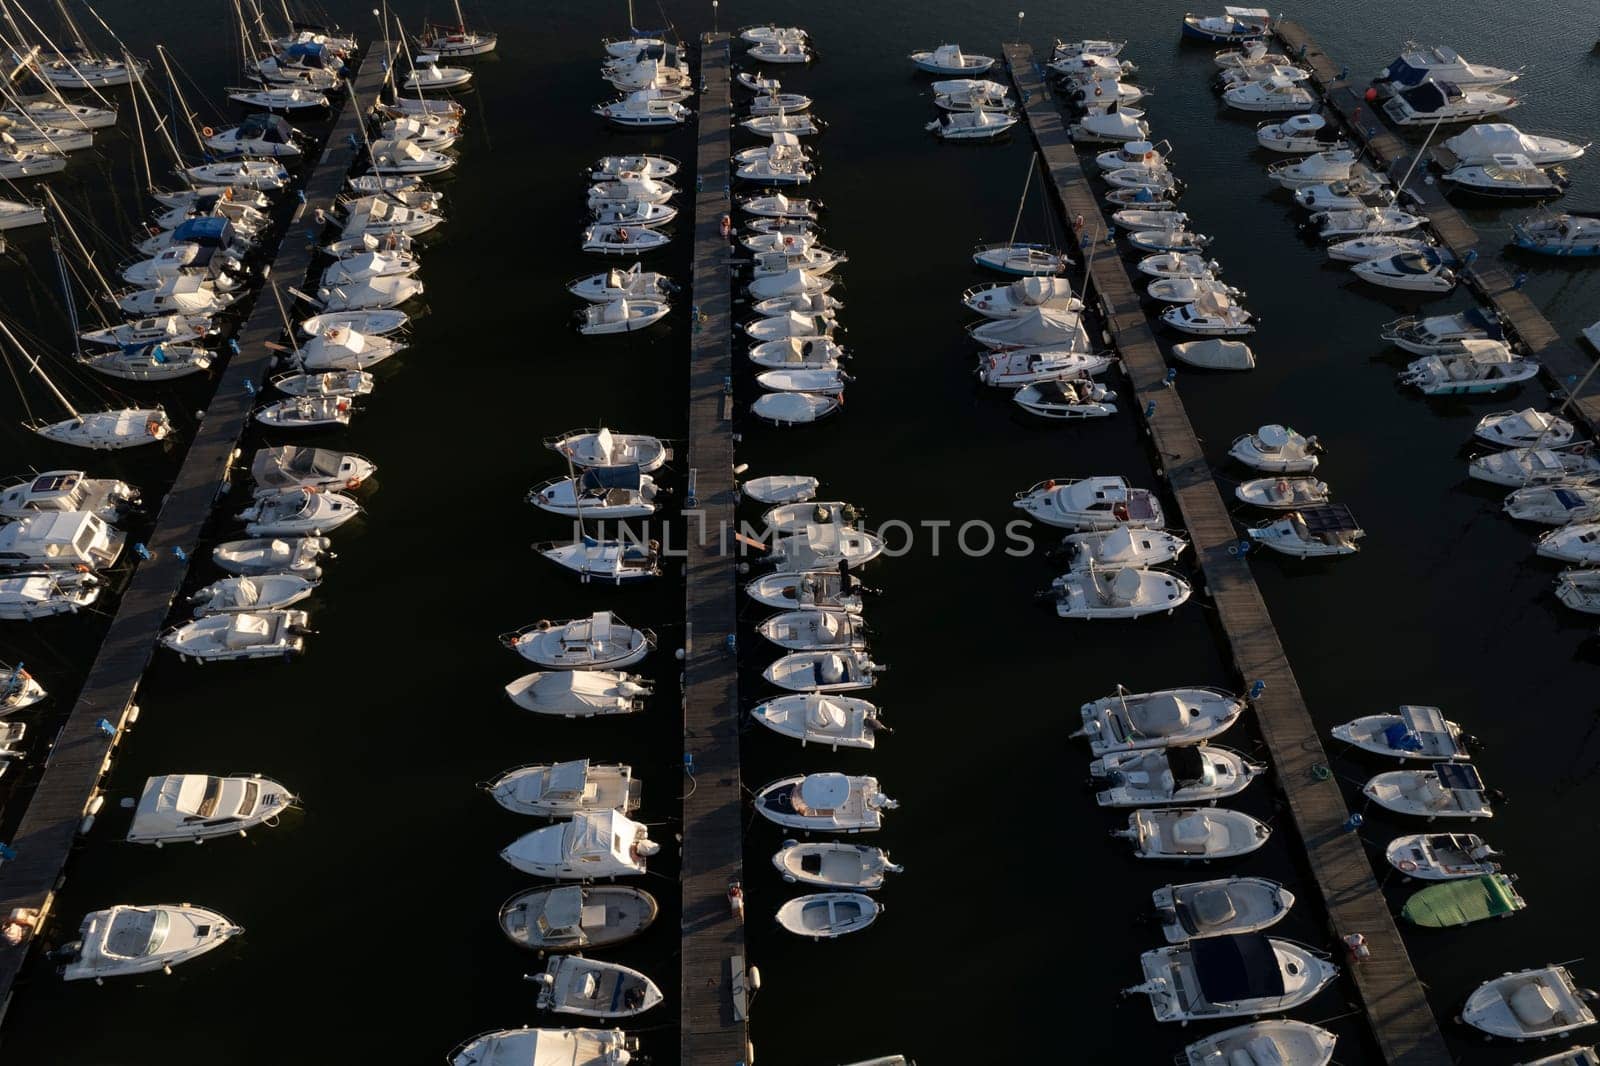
567	778
1329	518
596	832
1234	968
1458	777
1186	763
1431	95
1404	72
212	231
601	479
1423	261
563	909
824	792
309	54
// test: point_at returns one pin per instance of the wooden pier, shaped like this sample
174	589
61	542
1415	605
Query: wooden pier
81	752
1396	1006
1564	363
713	1028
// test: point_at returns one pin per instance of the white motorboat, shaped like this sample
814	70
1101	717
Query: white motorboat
1555	505
613	559
1274	93
781	488
1443	334
287	99
949	60
1088	66
298	512
575	917
789	589
612	167
832	865
796	517
1425	271
343	348
1103	502
1578	544
793	324
1412	732
1132	154
54	113
1178	239
26	597
584	693
1086	47
777	205
980	125
1534	466
1481	143
1277	449
1178	265
1232	976
826	915
1375	246
1160	197
1021	367
1155	184
621	316
18	164
428	76
1300	133
601	447
1018	298
794	408
1116	124
198	807
826	720
779	52
535	1047
1024	260
371	293
971	94
1236	25
623	240
572	984
776	103
824	671
1122	547
1527	428
1318	169
18	689
1137	219
1529	1005
260	174
771	32
177	329
825	802
589	846
379	216
1212	314
1345	194
1214	354
1311	532
1579	590
617	284
1444	790
644	109
407	105
1189	834
1283	493
1482	367
1166	776
802	125
185	294
599	492
405	156
59	540
1189	290
1037	327
326	383
791	281
812	629
1572	1056
262	592
1274	1042
633	187
1222	907
563	789
1126	721
782	162
272	555
1066	400
306	412
16	214
1442	101
127	939
1507	177
631	213
1422	63
1564	234
1441	856
816	303
599	642
240	636
260	136
1126	592
822	382
67	490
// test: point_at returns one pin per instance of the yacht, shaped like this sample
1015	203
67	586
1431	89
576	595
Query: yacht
1555	505
576	917
563	789
1441	856
1192	834
259	174
1482	367
294	466
1578	544
1565	234
287	99
259	136
949	60
1037	327
1219	908
1534	466
1156	181
53	540
428	76
1167	776
1426	271
580	693
601	447
111	430
1125	592
67	490
831	865
1479	144
1300	133
528	1046
198	807
178	329
971	94
825	802
1022	367
1277	449
826	720
1443	334
1126	721
1444	790
1419	64
370	293
262	592
1282	493
1104	502
1276	93
1411	732
183	294
26	597
1114	125
240	636
572	984
127	939
1311	532
405	156
1344	194
644	109
599	642
1529	1005
1236	25
1435	102
1507	176
589	846
1375	246
826	915
272	555
1334	164
52	112
1364	222
1527	428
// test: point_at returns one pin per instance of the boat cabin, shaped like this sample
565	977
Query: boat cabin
59	539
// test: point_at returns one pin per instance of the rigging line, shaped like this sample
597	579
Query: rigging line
27	408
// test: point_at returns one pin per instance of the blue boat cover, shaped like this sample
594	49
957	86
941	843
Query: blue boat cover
1232	968
1431	95
304	50
1402	73
1400	738
1569	499
266	127
601	478
212	231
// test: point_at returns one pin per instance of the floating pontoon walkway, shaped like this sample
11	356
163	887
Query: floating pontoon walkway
714	1031
1563	362
1395	1004
81	752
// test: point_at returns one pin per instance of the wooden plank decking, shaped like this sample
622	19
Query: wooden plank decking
1395	1004
1565	364
82	750
714	1031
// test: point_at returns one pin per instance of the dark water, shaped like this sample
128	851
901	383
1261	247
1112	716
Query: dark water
370	915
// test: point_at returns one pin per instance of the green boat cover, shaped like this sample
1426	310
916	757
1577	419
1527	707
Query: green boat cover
1463	902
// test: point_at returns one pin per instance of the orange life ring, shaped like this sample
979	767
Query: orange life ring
787	241
207	131
353	483
1406	866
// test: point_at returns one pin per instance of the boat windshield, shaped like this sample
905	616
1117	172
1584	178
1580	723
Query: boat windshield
247	803
208	800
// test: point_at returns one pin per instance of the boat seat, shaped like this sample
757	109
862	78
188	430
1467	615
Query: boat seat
1534	1005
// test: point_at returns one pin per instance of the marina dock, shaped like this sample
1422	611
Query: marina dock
713	1026
81	752
1564	364
1396	1006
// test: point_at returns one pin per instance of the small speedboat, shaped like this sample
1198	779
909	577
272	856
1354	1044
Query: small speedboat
816	303
825	546
618	284
601	447
326	383
631	213
1364	222
1578	544
798	353
821	588
1017	298
1344	194
1189	290
589	846
572	984
1036	328
428	76
261	175
1126	592
779	51
972	125
236	637
599	642
1178	265
781	488
1219	908
1237	25
1277	449
1189	834
828	382
794	408
1274	93
813	629
1376	246
196	807
599	493
971	94
1579	590
776	103
1127	721
1104	502
1300	133
792	280
1120	547
126	939
1444	790
1212	314
1116	124
1555	505
295	466
1426	271
370	293
613	559
1412	732
1283	493
1214	354
621	316
793	324
272	555
611	167
1271	1043
1311	532
1232	976
830	865
1026	260
826	720
1443	334
949	60
1135	219
1166	776
1318	169
1564	234
298	512
18	689
825	802
824	671
535	1047
1462	902
576	917
580	693
262	592
826	915
1441	856
563	789
623	240
306	412
1066	399
1177	239
777	205
1529	1005
644	109
1534	466
802	125
1481	367
1157	181
26	597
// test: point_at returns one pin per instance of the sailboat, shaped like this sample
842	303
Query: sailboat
455	41
77	67
1025	260
50	110
107	430
635	42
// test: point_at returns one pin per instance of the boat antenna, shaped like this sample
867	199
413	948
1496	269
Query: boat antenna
37	369
1017	223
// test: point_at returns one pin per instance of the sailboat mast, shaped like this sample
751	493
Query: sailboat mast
631	28
61	216
86	84
1021	200
461	22
37	369
161	125
66	293
177	93
72	27
411	63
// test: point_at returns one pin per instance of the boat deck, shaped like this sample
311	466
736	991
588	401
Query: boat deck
82	750
712	1019
1564	364
1396	1006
